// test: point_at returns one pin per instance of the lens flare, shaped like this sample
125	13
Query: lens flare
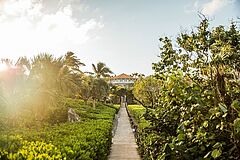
3	67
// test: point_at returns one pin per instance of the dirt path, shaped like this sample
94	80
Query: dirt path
124	146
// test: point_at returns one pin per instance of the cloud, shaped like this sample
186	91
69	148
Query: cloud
26	30
23	7
209	7
192	7
213	6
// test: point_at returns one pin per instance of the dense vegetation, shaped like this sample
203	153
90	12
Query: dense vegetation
88	139
32	90
193	100
137	113
191	103
35	95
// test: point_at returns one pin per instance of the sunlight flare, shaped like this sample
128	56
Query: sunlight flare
3	67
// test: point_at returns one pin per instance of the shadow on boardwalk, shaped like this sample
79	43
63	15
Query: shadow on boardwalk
124	146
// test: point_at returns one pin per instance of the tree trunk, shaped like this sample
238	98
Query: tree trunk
94	103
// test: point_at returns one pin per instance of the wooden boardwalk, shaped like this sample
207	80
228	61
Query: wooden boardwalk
124	146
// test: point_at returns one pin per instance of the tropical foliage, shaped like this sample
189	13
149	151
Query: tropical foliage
196	115
147	91
101	70
88	139
32	90
137	113
116	92
35	95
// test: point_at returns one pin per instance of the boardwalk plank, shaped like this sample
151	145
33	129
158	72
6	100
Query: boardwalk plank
124	146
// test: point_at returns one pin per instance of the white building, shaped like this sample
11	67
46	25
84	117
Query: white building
123	80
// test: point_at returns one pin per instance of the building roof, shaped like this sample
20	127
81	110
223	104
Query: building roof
123	76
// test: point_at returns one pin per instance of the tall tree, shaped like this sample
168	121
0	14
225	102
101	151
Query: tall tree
199	102
147	91
101	70
37	85
73	62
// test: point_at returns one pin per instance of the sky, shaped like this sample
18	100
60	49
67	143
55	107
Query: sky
123	34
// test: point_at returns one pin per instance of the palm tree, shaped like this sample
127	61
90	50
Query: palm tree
7	61
101	70
62	73
99	90
70	75
73	62
39	84
53	78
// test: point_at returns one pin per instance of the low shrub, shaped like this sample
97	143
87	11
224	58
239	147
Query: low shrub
88	139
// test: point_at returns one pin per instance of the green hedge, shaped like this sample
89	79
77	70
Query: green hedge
88	139
137	112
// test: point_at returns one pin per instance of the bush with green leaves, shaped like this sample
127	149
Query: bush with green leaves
147	90
197	113
137	113
32	150
88	139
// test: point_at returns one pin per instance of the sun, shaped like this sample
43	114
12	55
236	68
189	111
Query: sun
3	67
